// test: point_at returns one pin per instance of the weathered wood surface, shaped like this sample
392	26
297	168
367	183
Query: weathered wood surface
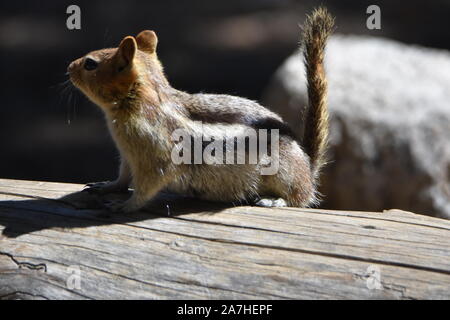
184	249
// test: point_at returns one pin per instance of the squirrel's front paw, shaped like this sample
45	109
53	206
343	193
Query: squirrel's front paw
105	187
98	187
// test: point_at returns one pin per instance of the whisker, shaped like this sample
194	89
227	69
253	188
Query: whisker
69	108
61	84
66	95
74	105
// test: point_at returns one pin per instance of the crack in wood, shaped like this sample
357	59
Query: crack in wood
27	265
14	294
329	212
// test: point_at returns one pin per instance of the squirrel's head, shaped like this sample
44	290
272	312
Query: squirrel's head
109	76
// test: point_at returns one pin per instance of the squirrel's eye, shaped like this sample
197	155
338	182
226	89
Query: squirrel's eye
90	64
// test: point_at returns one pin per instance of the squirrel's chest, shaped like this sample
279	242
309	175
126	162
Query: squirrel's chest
137	137
129	132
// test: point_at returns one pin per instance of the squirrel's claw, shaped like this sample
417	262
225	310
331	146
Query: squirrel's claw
96	187
106	187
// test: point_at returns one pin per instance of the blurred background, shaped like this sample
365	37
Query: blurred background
232	47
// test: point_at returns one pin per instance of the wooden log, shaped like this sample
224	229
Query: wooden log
59	243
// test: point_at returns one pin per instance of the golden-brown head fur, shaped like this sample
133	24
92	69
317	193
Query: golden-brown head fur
110	76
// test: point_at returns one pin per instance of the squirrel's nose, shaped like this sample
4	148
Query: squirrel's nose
71	67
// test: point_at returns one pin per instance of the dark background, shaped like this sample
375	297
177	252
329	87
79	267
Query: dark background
229	47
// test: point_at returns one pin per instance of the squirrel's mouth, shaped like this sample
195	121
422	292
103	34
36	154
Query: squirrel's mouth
73	72
74	79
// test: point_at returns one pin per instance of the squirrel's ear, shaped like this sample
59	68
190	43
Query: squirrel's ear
126	51
147	41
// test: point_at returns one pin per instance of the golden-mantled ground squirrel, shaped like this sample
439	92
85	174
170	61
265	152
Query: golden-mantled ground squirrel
143	111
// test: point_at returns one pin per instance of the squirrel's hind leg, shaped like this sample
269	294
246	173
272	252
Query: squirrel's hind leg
271	202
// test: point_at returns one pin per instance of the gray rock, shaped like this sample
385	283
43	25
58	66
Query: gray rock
390	123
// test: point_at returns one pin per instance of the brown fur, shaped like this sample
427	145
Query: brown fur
142	111
316	31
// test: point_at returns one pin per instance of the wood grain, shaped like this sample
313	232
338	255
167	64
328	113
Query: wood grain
180	248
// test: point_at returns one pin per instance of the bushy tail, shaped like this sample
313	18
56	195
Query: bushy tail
318	26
